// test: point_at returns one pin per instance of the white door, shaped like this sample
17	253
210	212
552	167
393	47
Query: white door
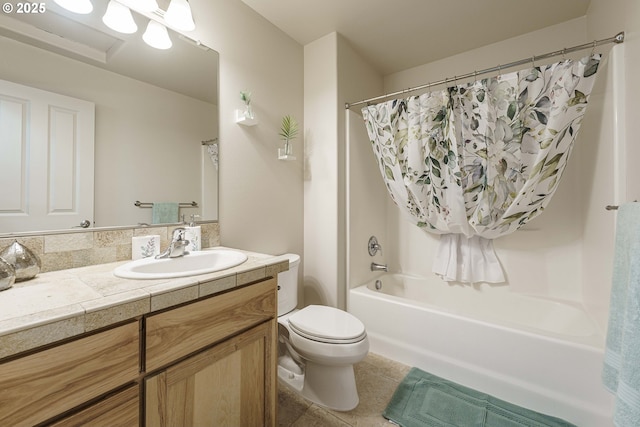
46	159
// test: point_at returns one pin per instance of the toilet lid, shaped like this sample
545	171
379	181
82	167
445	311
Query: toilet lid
327	324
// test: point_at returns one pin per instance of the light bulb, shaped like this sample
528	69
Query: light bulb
118	17
179	15
76	6
157	36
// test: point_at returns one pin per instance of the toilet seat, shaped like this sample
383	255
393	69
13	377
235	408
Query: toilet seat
327	324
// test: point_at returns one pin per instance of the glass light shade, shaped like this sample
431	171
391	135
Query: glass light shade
118	17
148	5
179	15
157	36
76	6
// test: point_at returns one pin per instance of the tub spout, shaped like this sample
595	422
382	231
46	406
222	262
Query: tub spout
378	267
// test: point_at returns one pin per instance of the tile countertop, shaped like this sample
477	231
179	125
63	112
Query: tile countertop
62	304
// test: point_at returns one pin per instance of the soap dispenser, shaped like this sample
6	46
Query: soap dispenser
193	233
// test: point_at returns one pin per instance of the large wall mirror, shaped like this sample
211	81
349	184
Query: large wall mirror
155	126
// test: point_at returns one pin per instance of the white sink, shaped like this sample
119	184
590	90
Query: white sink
194	263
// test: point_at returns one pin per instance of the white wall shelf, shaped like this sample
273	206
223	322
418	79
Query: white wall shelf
285	156
245	121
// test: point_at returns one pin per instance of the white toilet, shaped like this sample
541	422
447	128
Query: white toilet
318	346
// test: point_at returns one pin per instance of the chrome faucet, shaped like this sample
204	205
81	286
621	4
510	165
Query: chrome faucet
378	267
177	246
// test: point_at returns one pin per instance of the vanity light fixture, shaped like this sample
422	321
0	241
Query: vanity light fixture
179	15
76	6
118	17
157	36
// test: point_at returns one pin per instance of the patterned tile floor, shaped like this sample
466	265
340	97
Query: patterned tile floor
376	379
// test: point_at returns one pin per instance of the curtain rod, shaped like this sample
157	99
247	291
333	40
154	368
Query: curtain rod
618	38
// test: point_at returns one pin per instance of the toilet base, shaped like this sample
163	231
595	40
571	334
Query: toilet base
333	387
291	379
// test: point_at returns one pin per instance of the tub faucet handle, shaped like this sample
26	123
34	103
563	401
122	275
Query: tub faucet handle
374	246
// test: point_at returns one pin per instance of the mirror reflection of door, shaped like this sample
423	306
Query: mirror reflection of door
153	109
46	165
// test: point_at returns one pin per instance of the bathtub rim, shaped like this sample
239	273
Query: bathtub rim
595	341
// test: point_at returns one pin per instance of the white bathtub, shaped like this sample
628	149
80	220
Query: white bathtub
541	354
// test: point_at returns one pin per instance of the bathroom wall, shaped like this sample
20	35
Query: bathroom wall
334	75
321	173
547	257
261	197
364	212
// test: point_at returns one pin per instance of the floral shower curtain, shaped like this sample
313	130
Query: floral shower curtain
477	161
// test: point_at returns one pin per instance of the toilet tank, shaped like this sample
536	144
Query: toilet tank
288	284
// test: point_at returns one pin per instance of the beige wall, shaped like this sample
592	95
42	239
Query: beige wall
261	198
321	189
365	194
334	74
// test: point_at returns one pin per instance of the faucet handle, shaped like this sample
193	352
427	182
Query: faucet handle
374	246
178	234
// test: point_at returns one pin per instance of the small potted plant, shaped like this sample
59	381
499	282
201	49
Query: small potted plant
288	131
245	96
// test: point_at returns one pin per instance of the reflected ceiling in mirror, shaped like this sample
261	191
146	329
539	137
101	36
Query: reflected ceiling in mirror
153	108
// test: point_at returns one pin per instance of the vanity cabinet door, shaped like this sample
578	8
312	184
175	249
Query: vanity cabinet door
182	331
45	384
122	409
231	384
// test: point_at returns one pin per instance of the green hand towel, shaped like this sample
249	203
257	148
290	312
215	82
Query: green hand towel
166	212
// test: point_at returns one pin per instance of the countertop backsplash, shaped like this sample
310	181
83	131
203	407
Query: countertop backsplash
61	251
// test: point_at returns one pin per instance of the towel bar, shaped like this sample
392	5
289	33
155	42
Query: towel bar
140	204
615	207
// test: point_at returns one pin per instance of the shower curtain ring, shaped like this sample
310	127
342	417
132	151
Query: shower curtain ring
499	70
533	61
593	49
564	53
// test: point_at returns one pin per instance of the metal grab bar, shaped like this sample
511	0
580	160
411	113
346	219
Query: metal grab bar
140	204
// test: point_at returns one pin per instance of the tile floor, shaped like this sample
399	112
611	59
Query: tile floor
376	379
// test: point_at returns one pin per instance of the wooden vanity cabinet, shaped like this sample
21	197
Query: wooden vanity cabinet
226	385
42	385
209	362
121	409
216	361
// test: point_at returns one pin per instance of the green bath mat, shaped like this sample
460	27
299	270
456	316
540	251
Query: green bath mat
425	400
